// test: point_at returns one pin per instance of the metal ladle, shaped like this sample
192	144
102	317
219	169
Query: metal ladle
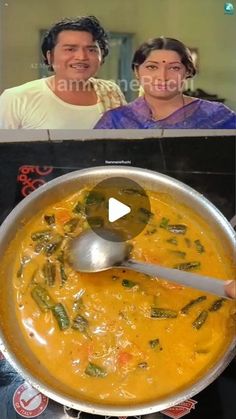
89	252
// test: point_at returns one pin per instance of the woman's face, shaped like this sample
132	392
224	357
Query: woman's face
162	74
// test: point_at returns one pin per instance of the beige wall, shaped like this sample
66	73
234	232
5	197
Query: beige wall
199	23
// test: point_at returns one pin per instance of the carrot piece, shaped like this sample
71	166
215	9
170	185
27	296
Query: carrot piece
151	257
82	353
124	358
171	285
62	216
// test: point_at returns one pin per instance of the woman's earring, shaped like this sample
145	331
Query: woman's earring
136	75
48	55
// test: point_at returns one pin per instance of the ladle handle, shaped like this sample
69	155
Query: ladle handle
204	283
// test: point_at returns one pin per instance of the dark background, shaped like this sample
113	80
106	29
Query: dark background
206	164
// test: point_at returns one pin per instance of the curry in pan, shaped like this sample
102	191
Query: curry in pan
118	336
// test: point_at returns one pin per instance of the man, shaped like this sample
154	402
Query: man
72	98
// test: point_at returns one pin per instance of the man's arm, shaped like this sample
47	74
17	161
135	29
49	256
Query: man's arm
9	111
119	95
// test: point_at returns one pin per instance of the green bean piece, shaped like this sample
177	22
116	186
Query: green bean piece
144	215
95	222
217	304
20	270
163	313
173	241
61	316
192	303
132	191
41	235
122	315
80	323
173	228
202	351
33	280
63	274
155	344
177	228
188	242
128	284
143	365
145	211
178	253
79	208
130	247
200	320
23	261
70	226
94	198
78	304
42	298
164	222
49	273
188	266
200	248
94	370
53	245
50	248
47	241
150	232
49	219
61	257
39	246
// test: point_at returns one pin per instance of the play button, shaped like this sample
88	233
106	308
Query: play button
118	203
116	210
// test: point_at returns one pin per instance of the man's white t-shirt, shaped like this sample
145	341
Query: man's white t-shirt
34	105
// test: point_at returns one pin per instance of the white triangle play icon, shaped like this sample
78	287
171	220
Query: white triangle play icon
116	210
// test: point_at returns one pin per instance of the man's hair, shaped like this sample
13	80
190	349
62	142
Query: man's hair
83	23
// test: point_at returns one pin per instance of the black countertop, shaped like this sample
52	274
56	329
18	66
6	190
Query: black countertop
206	164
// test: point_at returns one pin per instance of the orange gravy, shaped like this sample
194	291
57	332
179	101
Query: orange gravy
126	338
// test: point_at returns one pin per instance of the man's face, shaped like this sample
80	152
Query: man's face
76	56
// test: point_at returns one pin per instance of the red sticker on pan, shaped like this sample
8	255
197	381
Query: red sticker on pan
29	402
180	410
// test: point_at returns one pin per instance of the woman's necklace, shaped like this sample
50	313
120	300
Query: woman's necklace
158	118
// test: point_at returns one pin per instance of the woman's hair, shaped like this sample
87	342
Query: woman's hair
84	23
162	43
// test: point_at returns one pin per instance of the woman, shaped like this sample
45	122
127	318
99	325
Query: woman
162	65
